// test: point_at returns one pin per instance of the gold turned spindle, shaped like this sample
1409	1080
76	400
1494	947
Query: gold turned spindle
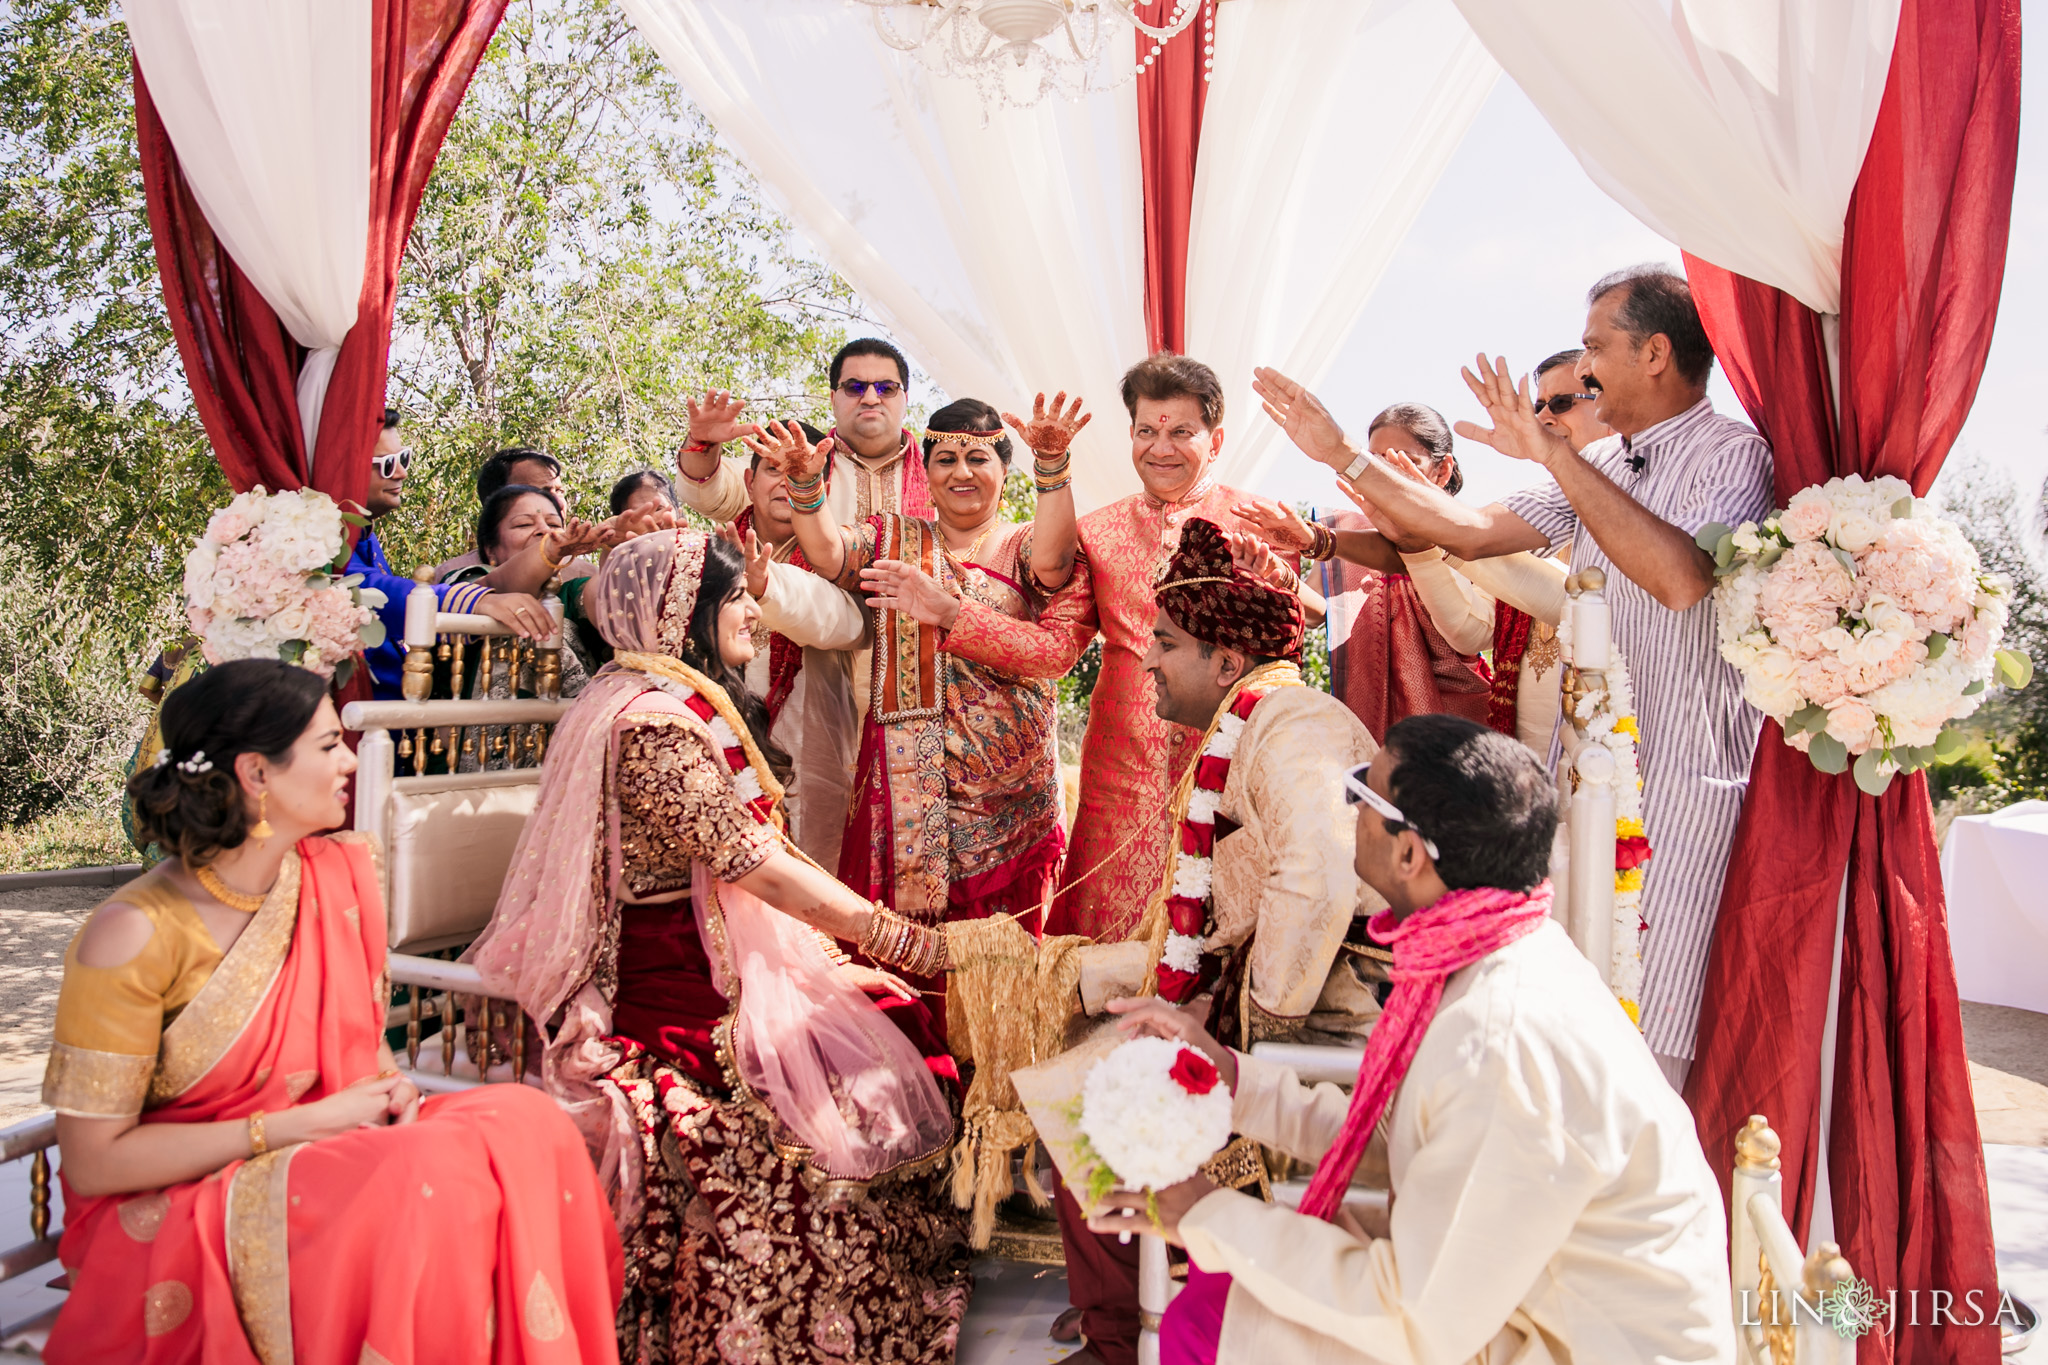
447	1033
412	1028
518	1043
455	672
39	1194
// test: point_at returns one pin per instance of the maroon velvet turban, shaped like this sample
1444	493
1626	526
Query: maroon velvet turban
1212	599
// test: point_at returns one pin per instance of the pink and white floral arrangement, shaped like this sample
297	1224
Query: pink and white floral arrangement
1863	624
1152	1110
264	583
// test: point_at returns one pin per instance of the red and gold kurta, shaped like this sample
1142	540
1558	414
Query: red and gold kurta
1130	759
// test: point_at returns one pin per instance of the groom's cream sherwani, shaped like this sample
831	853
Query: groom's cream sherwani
1550	1201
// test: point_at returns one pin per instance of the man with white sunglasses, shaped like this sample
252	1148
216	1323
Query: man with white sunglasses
389	465
1549	1199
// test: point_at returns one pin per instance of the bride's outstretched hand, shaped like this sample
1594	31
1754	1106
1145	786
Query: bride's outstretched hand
1515	432
1050	432
1279	526
873	979
1303	417
784	445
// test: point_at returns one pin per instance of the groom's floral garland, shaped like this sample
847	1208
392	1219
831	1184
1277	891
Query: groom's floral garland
1609	714
746	778
1188	908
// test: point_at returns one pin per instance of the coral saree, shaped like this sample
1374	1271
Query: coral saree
476	1233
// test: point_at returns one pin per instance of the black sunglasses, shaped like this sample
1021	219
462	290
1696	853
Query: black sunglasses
857	388
392	465
1561	403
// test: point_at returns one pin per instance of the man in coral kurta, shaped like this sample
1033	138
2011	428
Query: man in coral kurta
1130	758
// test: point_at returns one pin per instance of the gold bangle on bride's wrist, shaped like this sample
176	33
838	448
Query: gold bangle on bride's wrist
257	1145
895	940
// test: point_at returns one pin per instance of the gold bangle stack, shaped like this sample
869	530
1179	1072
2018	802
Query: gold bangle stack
805	495
257	1143
1051	474
1322	542
895	940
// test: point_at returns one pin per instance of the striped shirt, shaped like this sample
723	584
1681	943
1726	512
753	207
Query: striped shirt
1698	735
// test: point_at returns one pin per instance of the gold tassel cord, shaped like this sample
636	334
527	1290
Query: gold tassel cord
996	965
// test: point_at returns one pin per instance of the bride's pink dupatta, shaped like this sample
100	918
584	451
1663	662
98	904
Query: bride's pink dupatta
805	1040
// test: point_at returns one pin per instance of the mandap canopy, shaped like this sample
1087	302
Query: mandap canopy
1838	173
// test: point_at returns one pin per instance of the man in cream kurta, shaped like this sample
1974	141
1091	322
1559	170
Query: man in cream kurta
1549	1198
1284	893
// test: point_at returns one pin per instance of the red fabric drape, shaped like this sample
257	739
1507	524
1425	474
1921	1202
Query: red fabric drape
1922	263
1171	96
241	362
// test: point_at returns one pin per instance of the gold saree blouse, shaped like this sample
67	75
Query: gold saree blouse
111	1020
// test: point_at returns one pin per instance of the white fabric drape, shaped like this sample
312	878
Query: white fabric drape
268	105
1007	258
1328	125
1735	128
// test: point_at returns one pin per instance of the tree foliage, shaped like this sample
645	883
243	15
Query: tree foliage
587	257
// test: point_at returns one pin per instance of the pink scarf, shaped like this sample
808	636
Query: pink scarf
1455	931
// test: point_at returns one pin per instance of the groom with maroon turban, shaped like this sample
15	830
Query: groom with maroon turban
1256	920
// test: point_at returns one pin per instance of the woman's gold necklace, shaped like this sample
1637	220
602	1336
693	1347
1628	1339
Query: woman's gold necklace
246	902
975	548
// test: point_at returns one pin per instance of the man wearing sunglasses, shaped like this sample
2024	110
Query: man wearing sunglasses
870	394
389	465
1630	506
1562	403
1270	949
1549	1198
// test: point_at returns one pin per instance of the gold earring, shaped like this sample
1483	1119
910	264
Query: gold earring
261	829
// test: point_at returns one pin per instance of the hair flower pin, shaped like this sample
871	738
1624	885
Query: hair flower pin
197	764
163	756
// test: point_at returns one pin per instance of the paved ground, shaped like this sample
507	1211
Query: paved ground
1015	1303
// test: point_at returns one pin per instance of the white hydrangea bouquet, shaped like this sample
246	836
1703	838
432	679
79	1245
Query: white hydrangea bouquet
264	582
1151	1111
1863	624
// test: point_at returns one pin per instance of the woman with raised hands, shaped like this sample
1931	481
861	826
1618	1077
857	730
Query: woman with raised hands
1390	657
956	799
767	1138
246	1174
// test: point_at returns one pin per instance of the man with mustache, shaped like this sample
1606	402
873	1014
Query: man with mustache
1629	505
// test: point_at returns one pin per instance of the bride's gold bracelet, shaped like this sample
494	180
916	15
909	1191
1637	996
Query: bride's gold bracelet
916	949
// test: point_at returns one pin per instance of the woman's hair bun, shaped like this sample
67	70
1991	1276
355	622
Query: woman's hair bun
188	802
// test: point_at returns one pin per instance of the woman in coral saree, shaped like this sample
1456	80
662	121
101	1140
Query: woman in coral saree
956	798
768	1137
246	1177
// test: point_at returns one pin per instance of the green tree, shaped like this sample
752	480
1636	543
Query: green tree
587	257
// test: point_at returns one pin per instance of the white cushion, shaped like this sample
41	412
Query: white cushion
448	854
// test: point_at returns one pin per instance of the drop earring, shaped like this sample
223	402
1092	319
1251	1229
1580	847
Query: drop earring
261	829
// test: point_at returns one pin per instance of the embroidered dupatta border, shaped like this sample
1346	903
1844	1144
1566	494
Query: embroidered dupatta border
205	1029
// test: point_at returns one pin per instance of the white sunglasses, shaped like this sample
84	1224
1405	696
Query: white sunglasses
1356	791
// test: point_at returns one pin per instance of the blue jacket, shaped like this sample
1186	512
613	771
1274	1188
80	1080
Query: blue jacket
387	661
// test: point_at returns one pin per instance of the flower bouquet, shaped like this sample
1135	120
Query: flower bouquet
264	582
1863	624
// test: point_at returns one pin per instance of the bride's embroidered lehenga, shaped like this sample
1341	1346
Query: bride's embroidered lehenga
476	1233
767	1133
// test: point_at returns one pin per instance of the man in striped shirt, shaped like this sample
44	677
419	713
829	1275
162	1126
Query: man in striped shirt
1630	505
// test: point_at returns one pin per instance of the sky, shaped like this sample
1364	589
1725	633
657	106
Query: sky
1515	232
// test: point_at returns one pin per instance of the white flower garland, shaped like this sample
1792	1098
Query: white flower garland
1610	716
1192	875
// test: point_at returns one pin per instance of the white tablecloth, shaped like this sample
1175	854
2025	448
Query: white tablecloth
1995	871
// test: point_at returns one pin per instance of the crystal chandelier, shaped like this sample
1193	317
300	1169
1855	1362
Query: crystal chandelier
1016	52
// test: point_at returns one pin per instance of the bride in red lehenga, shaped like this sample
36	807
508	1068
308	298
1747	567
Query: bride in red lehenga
246	1176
